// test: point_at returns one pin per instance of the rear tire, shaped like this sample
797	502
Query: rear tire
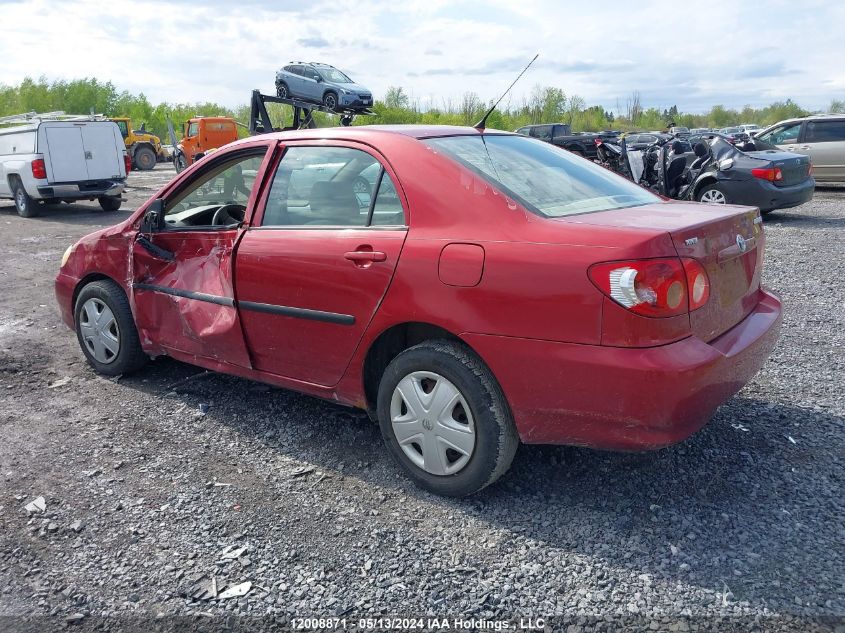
428	428
282	91
106	329
110	203
144	159
25	205
712	194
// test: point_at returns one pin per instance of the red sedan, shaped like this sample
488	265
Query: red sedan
469	289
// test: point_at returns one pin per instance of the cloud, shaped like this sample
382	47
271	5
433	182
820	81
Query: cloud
313	42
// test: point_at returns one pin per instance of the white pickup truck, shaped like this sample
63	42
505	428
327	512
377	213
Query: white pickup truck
43	160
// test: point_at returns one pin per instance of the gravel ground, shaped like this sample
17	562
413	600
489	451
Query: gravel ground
159	484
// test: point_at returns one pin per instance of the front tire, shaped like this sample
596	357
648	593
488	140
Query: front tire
144	159
110	203
179	162
25	205
712	194
106	330
445	419
330	101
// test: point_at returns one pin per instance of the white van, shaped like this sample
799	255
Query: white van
43	160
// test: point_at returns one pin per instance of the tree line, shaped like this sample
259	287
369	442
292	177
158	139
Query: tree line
544	104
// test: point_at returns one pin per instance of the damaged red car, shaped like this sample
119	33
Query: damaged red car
470	289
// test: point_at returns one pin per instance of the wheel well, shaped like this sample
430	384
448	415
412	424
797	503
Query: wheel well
388	346
12	178
87	279
707	181
330	90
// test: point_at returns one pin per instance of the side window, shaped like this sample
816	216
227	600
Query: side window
543	132
217	196
193	128
124	132
825	131
387	210
330	186
321	186
783	135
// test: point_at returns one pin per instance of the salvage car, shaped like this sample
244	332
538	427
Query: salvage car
753	173
492	289
324	85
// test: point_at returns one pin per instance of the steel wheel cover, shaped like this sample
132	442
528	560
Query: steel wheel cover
432	423
99	330
713	196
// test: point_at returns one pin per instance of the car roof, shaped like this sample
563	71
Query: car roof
367	133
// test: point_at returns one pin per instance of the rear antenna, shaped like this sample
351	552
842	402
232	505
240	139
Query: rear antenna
483	122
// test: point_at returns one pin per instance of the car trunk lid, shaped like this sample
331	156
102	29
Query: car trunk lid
794	167
727	240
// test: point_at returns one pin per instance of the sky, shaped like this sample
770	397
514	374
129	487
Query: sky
728	52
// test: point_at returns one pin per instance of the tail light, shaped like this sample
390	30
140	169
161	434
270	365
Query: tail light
39	170
654	287
597	141
127	162
772	174
698	284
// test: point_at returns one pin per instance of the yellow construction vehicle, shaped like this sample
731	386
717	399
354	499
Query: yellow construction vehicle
144	148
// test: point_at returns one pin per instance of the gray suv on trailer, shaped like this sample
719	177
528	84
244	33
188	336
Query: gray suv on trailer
322	84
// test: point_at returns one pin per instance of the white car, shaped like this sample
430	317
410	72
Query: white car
51	160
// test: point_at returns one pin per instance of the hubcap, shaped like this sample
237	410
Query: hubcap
330	101
99	330
713	196
432	422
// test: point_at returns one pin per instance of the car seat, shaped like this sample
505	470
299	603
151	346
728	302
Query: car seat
702	155
333	202
674	174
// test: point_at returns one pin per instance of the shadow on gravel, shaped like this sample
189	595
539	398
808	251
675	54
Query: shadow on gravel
797	220
744	508
81	214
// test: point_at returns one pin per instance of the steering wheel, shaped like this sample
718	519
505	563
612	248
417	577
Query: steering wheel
228	214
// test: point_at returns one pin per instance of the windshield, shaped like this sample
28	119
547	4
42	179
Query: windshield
334	75
545	179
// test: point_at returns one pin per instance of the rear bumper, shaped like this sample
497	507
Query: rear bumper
766	196
626	398
72	191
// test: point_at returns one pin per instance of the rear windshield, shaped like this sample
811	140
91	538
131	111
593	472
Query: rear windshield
545	179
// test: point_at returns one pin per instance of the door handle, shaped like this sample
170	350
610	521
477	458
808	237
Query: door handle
804	147
365	256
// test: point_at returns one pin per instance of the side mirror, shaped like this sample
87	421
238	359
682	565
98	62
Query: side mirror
317	78
725	164
153	217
